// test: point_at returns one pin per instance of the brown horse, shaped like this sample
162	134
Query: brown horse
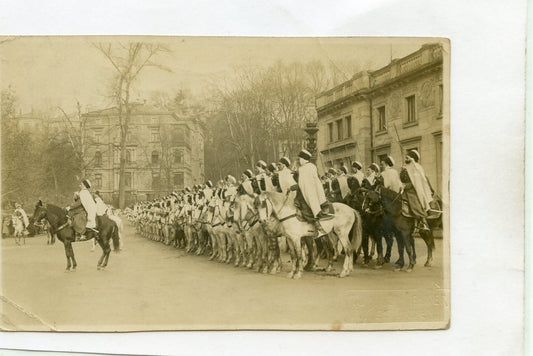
60	226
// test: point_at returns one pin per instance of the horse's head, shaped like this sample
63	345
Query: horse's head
372	200
39	213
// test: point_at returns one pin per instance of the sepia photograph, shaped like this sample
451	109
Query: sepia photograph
164	183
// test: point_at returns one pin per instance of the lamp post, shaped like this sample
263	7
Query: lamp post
311	129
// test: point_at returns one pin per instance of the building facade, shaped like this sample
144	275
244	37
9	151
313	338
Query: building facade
387	112
164	152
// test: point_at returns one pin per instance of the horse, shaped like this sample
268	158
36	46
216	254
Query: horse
61	227
19	232
256	236
372	213
403	227
345	220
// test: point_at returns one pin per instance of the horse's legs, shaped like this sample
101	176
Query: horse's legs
427	236
379	242
107	253
292	251
364	244
390	241
101	260
347	266
405	229
67	254
328	248
299	259
311	253
71	250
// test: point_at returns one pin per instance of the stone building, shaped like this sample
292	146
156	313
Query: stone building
382	112
165	152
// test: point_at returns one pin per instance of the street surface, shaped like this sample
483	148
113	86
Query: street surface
150	286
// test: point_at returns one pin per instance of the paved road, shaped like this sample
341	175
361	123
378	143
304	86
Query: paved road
150	286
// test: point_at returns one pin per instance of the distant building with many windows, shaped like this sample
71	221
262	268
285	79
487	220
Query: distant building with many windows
165	152
370	115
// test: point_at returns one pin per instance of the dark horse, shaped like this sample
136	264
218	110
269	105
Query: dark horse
373	227
61	227
403	228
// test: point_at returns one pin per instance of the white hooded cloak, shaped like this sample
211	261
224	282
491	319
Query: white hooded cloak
311	187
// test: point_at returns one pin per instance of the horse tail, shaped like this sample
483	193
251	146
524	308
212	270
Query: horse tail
115	237
357	232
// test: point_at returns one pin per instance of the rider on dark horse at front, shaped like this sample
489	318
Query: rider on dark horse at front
83	213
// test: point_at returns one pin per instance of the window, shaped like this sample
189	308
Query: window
178	156
98	181
128	179
348	120
178	180
130	155
98	159
411	109
156	181
155	157
339	130
154	135
97	136
382	124
381	157
330	131
178	135
441	98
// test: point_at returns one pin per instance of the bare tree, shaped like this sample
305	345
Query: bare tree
128	61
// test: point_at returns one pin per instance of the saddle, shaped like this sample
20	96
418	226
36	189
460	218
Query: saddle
434	213
304	212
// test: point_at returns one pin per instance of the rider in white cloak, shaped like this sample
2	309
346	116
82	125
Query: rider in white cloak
88	203
25	220
311	186
418	179
285	177
247	182
357	173
391	177
342	178
208	190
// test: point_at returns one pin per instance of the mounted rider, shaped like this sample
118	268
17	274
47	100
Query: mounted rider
246	183
417	189
311	187
84	212
391	177
372	175
286	176
25	221
339	185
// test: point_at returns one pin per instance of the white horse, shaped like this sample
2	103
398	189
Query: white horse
19	231
281	207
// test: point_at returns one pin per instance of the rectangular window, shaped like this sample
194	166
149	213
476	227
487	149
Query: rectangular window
441	98
178	135
154	135
155	181
339	130
411	109
348	120
382	124
98	181
97	135
179	180
330	131
128	179
178	156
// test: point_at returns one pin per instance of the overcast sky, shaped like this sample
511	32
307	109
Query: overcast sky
47	72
